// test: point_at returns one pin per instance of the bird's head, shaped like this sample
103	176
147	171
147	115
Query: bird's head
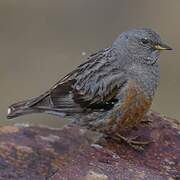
141	42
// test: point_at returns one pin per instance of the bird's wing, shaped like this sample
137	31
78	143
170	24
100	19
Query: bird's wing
92	85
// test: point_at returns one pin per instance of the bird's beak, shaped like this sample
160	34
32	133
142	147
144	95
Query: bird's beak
162	47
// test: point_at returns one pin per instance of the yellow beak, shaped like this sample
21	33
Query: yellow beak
162	47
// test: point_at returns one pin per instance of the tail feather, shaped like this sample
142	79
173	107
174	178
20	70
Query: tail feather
34	106
21	108
52	103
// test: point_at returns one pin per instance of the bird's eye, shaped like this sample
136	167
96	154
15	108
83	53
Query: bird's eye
145	41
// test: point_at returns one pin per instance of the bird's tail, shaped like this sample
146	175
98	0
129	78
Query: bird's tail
21	108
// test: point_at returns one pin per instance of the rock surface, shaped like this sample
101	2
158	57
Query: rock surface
40	153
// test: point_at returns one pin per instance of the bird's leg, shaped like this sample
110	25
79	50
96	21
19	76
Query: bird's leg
100	139
133	142
146	121
96	139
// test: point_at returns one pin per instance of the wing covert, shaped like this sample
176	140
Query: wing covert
92	85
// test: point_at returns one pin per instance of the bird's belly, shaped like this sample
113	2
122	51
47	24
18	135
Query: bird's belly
134	108
133	115
127	113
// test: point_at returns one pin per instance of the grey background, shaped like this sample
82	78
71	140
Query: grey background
42	40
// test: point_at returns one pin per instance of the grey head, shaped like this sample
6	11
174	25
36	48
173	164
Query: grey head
141	43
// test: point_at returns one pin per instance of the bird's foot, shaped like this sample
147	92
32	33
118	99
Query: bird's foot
146	121
133	142
98	140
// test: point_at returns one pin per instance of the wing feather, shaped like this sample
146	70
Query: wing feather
91	85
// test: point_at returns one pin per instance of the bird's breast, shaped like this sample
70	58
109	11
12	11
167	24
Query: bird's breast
134	106
146	76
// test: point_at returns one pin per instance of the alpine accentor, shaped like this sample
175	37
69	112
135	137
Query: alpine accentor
111	91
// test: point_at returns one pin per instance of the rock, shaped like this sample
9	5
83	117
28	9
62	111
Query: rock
41	153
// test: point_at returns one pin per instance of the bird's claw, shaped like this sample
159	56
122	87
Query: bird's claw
133	142
146	122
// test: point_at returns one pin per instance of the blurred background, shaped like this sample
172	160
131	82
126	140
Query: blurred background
42	40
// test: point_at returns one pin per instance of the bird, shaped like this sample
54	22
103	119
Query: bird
111	91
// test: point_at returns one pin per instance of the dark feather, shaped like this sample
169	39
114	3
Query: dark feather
92	85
